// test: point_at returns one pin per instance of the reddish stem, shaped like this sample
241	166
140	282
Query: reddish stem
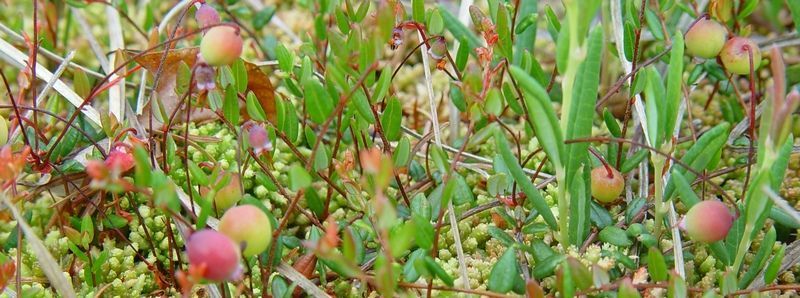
609	170
752	116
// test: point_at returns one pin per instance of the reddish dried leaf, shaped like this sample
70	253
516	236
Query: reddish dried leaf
258	83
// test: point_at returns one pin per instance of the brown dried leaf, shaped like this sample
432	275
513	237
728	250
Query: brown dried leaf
258	83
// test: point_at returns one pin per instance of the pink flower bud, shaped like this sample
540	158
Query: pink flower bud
120	158
258	137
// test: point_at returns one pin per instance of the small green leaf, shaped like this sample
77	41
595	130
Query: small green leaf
318	103
313	201
424	233
142	171
362	11
458	97
254	108
626	290
633	161
182	78
656	265
496	184
540	109
230	106
629	38
240	75
298	178
410	273
504	272
523	181
771	272
436	23
391	119
197	174
526	22
438	271
501	235
616	236
402	153
653	23
503	27
285	58
383	84
262	18
547	266
418	11
760	259
462	193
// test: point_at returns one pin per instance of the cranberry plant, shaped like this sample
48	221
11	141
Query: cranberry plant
399	148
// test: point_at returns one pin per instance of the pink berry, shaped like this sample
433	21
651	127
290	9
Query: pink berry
705	39
221	45
606	188
206	15
708	221
248	226
214	252
736	57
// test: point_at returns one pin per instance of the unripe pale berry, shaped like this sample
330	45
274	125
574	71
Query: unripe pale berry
606	188
221	45
247	226
705	39
214	252
735	55
708	221
228	195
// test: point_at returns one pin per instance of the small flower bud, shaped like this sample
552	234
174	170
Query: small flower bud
477	17
257	137
120	158
397	38
205	76
438	49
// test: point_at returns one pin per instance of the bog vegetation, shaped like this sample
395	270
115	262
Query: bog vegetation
382	148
